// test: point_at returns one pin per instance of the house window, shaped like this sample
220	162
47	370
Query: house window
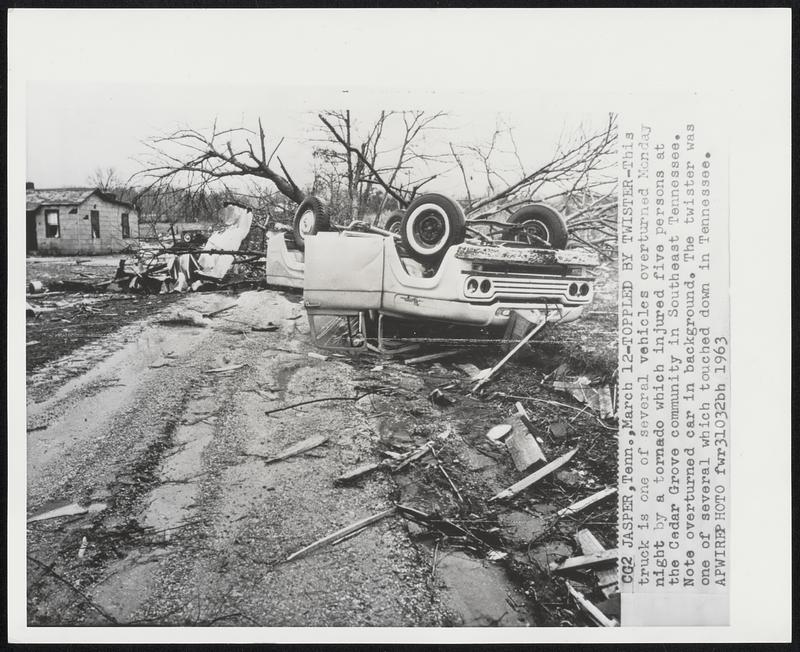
126	226
95	215
51	224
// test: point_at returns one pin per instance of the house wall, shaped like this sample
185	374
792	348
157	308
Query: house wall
76	229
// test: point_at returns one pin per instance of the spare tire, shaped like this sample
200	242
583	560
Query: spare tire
540	221
432	224
309	219
394	222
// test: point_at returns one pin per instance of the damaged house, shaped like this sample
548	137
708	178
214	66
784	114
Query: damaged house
72	221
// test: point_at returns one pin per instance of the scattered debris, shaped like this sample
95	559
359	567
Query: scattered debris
587	502
496	434
440	398
432	356
593	612
267	328
523	484
36	287
82	549
606	578
68	510
31	342
359	472
558	429
344	532
415	455
526	418
470	369
185	318
485	375
524	449
587	561
31	311
597	398
295	449
317	356
219	370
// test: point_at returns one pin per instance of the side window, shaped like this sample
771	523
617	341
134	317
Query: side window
95	216
126	226
51	223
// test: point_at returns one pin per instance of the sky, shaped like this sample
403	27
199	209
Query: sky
77	127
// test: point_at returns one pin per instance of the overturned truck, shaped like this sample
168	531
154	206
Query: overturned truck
434	267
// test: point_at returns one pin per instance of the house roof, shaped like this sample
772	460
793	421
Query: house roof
66	197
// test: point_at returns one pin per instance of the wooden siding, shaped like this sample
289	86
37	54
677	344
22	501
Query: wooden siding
75	233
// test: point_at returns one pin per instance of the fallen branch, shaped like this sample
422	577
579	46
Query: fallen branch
69	584
295	449
319	400
342	533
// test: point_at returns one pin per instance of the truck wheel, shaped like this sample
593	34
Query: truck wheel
432	224
394	221
309	219
540	221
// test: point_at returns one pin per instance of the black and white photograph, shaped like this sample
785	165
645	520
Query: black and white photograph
324	340
363	359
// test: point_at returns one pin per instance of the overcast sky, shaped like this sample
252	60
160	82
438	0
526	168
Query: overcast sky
75	128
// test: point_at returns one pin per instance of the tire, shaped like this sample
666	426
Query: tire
187	237
394	222
309	219
431	225
542	221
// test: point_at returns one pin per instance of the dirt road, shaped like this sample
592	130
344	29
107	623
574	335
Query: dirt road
188	524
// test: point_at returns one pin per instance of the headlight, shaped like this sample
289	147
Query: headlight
573	289
472	286
486	286
584	289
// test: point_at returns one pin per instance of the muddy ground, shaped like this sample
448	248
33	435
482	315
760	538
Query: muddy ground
188	523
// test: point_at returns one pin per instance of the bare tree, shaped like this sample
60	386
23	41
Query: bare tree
378	161
579	179
106	179
194	160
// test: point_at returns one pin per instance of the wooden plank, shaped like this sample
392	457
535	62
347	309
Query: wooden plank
587	561
339	534
526	482
607	579
593	612
587	502
524	449
358	472
485	374
526	418
432	356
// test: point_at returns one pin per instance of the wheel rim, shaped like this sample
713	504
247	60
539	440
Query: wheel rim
394	227
534	228
306	222
429	228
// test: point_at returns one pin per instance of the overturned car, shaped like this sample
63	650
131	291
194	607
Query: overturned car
433	266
